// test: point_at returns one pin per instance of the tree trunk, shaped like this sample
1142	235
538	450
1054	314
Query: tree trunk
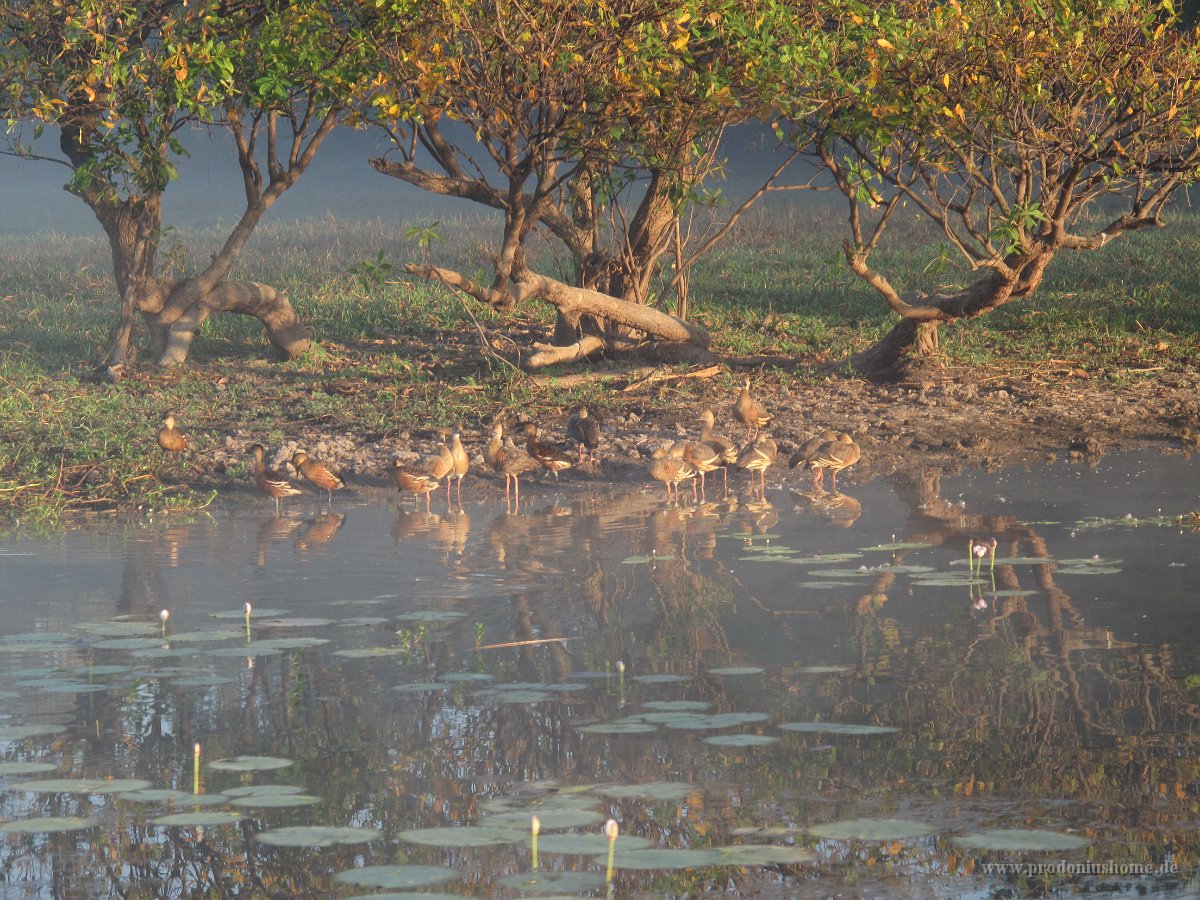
175	311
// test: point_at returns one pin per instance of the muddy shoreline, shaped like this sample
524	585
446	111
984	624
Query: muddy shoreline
944	419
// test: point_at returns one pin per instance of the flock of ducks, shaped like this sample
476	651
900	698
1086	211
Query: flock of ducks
670	464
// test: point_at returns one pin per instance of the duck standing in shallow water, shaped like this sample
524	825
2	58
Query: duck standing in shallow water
669	469
462	462
758	456
319	474
273	484
835	455
414	480
720	444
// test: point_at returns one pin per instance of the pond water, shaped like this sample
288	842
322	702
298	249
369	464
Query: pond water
801	696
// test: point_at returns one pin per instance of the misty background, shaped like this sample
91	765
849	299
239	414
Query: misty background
340	184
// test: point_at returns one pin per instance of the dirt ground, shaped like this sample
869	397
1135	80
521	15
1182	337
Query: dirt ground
945	417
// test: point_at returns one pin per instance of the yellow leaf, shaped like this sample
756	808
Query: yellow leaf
1171	113
946	80
958	110
91	95
885	44
856	18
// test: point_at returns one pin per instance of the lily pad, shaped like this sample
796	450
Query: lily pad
47	824
544	882
519	696
72	687
468	677
25	768
551	819
297	622
371	652
644	560
418	688
259	790
317	836
130	643
873	830
275	801
664	859
395	876
576	843
255	613
82	785
764	855
703	722
204	637
837	728
199	819
677	705
823	670
254	648
465	836
651	790
618	728
741	740
431	615
662	679
737	670
250	763
176	798
37	637
898	545
202	680
119	628
1020	839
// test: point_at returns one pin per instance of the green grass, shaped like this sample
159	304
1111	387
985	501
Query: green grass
404	353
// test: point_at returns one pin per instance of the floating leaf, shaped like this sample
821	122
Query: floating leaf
677	705
551	819
316	836
662	679
764	855
898	545
823	670
20	732
250	764
468	676
740	740
297	622
204	637
837	728
543	882
395	876
119	628
665	859
519	696
579	844
431	615
873	830
275	801
199	819
202	680
418	688
644	560
82	785
47	824
618	728
371	652
737	670
25	768
259	790
703	722
37	637
465	836
255	613
167	795
130	643
1021	839
651	790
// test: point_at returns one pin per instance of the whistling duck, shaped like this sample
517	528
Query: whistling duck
585	432
807	451
834	455
669	469
170	438
414	480
721	445
512	462
750	412
273	484
318	473
550	457
758	456
462	462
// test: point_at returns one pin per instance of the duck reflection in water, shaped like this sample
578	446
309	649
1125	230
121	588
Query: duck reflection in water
320	530
273	530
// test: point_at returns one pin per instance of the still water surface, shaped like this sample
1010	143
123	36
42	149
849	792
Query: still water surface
821	682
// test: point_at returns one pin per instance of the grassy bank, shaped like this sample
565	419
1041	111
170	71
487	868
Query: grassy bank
395	354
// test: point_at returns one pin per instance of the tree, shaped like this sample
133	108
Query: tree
598	123
122	79
1014	127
